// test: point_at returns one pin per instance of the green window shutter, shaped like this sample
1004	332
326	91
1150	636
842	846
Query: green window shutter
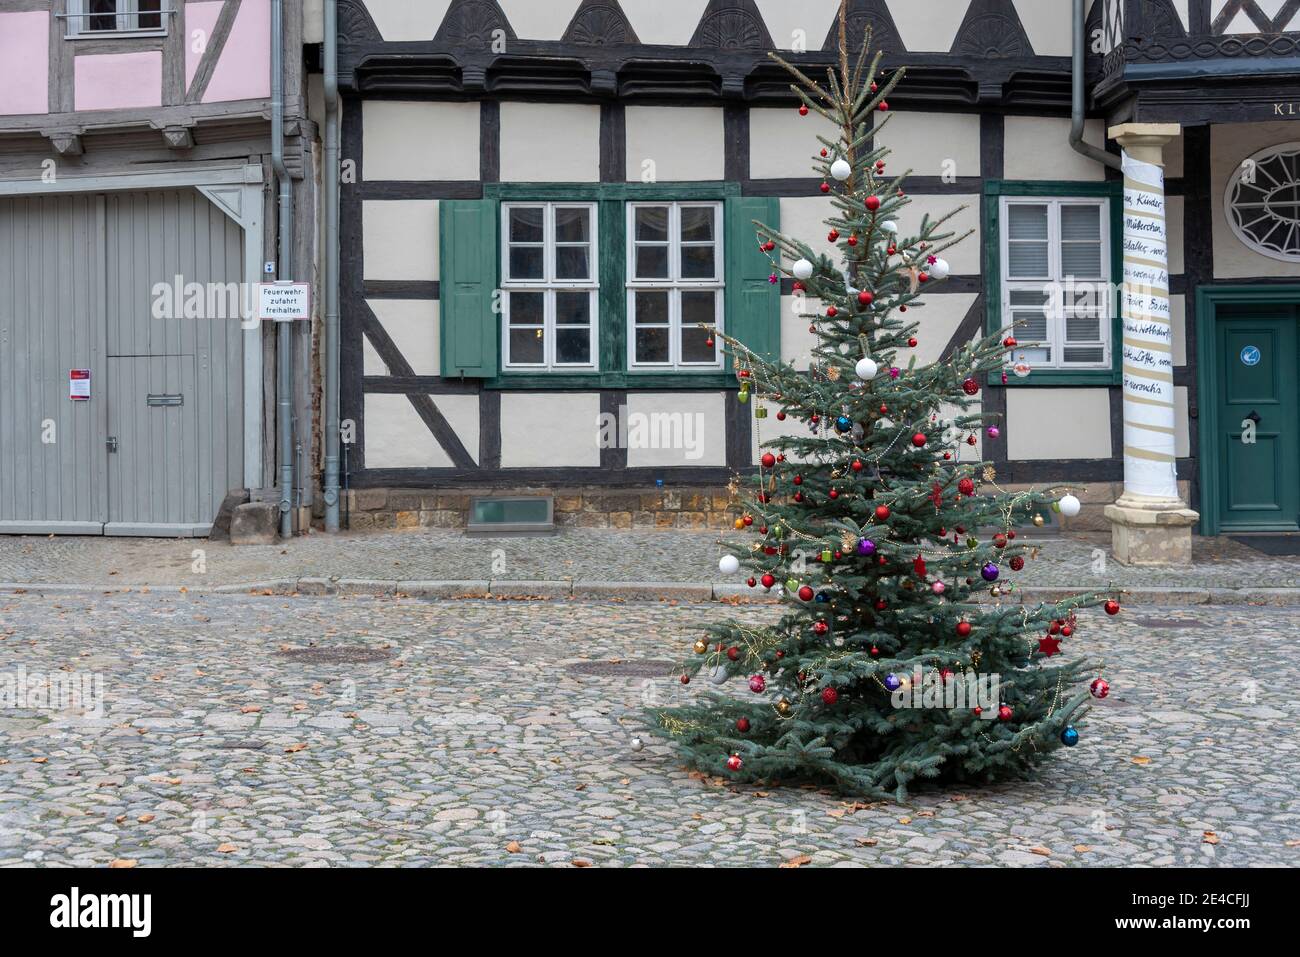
753	303
468	283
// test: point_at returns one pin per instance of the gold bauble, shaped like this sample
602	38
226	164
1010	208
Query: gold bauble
701	646
783	707
1038	519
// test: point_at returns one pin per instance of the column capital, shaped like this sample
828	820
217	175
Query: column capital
1145	141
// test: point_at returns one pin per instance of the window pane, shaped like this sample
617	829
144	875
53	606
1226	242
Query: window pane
572	262
1027	221
695	347
651	344
573	308
697	224
526	308
1028	311
651	307
526	346
698	262
1082	329
526	262
149	20
572	225
1081	259
573	346
1092	354
1035	357
101	23
1026	260
652	224
1081	222
526	224
652	262
699	308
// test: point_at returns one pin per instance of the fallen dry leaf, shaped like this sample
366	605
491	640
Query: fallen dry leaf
249	709
119	819
513	847
1083	848
1040	851
120	862
226	849
904	820
1293	843
581	862
40	760
865	841
295	748
1209	837
799	861
145	818
1141	760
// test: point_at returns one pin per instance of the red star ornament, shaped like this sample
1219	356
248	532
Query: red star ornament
1049	645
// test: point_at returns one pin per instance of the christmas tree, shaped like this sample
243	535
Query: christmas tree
902	653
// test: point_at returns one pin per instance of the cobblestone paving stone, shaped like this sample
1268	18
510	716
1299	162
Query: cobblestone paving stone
581	554
215	748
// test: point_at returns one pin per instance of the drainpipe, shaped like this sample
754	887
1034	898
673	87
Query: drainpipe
284	270
1077	98
331	177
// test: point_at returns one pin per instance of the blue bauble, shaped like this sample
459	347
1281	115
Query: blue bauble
990	572
843	423
823	596
892	682
1069	737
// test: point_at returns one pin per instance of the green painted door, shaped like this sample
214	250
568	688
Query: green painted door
1259	417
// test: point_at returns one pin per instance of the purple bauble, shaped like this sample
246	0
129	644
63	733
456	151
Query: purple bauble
892	682
994	431
990	572
866	547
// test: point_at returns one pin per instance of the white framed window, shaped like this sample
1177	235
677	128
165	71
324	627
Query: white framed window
1262	202
1056	281
99	18
675	282
549	303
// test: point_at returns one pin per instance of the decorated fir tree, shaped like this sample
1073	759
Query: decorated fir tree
903	652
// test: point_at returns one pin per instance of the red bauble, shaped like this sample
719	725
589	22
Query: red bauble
1112	607
805	593
752	582
1004	712
865	298
833	236
768	581
757	684
733	653
999	540
919	440
768	460
1016	563
853	240
1099	688
734	763
912	342
803	109
882	513
748	520
768	246
780	417
830	695
873	203
834	493
970	387
966	486
923	277
857	465
881	604
831	312
798	480
824	153
884	107
798	496
820	627
686	679
826	187
1009	342
1066	631
963	629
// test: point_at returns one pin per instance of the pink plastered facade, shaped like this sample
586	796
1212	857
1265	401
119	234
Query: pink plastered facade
244	70
24	62
118	81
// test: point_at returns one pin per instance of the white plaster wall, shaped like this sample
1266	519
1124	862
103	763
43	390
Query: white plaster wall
1178	319
412	324
796	341
669	22
807	21
1182	425
697	426
930	144
550	142
1045	423
1174	208
938	317
964	258
397	438
371	364
550	429
400	239
407	20
683	143
783	144
928	26
802	217
1047	24
1038	147
409	140
1230	145
1173	154
539	19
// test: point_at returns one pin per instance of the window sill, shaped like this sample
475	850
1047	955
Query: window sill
613	380
1058	377
117	35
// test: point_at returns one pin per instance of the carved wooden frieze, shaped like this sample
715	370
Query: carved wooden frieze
600	23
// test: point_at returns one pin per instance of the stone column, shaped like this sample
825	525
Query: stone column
1150	524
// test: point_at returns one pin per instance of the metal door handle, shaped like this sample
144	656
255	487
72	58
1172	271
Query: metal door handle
1254	416
111	443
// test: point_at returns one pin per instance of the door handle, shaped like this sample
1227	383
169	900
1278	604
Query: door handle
111	443
1254	416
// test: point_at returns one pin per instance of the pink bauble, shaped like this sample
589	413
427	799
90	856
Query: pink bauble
758	684
938	588
994	431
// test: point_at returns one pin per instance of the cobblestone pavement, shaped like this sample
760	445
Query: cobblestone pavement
476	743
573	554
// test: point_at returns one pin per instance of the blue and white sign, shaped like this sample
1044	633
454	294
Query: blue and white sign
1250	356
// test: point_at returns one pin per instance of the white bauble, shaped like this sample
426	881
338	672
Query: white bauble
841	170
939	269
866	368
889	226
1069	506
637	744
803	269
729	564
718	675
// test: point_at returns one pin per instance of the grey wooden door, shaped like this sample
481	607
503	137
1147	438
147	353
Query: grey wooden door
143	290
51	322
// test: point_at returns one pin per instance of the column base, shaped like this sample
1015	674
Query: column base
1151	531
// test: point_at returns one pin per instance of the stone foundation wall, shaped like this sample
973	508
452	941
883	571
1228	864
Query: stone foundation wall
574	508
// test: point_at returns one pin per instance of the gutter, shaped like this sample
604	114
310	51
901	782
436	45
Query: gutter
330	175
1077	95
284	271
